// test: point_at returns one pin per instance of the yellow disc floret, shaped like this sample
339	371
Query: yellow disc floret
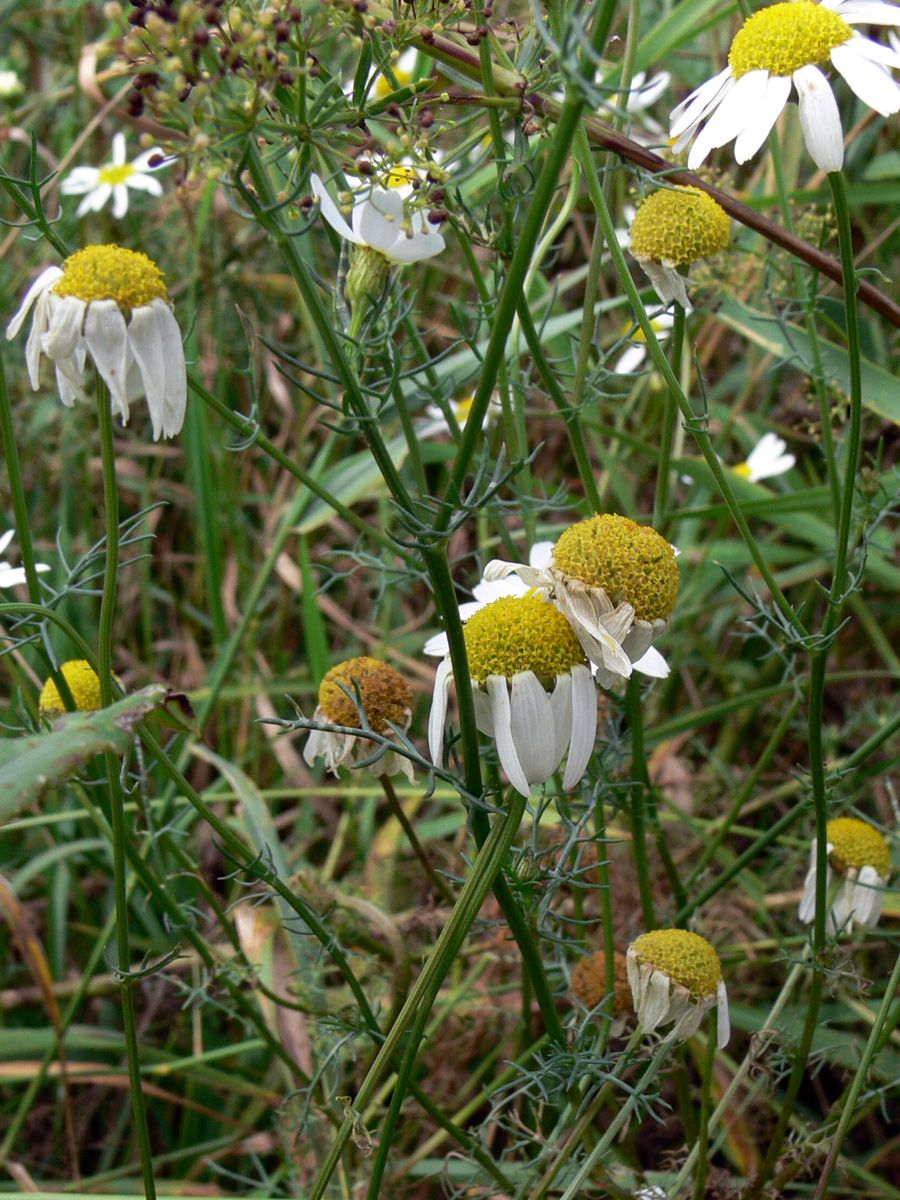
83	684
857	844
384	693
679	226
630	562
111	273
589	982
520	633
685	957
787	36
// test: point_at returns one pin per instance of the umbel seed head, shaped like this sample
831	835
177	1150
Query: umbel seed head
628	561
384	693
784	37
111	273
83	684
679	226
520	633
589	982
857	844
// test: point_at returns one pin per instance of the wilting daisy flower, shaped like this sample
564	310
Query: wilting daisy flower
385	698
676	976
109	303
615	581
114	179
631	359
652	663
859	854
676	227
533	691
84	685
589	986
766	459
385	236
783	45
10	576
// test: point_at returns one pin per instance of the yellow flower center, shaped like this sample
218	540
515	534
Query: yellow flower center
83	684
520	633
786	36
462	408
111	273
401	176
589	982
115	174
630	562
742	469
685	957
679	226
384	693
857	844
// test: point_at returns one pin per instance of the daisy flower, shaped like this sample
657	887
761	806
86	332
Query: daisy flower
378	222
10	576
766	459
84	684
675	975
404	69
114	179
676	227
860	855
109	303
652	663
630	360
615	581
437	422
642	95
783	46
386	700
532	688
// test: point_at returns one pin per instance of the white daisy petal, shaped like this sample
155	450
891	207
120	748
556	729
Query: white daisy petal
438	715
498	691
869	12
584	726
5	539
867	79
820	119
737	111
561	709
652	664
42	284
656	1001
690	112
118	149
155	341
106	338
531	723
437	646
332	213
79	180
723	1022
768	110
413	249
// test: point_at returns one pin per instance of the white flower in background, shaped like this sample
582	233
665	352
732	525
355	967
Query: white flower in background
10	576
11	85
860	855
114	179
780	47
532	689
404	69
437	422
616	582
109	303
652	663
676	227
766	459
675	975
642	95
631	359
384	696
378	222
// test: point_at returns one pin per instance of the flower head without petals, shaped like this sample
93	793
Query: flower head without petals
782	47
83	684
859	854
109	303
385	698
676	227
615	581
532	689
98	184
675	975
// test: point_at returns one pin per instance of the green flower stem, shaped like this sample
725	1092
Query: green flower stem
670	420
484	871
116	799
606	918
639	788
703	1132
440	885
17	490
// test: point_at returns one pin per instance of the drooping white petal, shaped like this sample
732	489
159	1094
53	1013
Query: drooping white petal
5	539
437	646
668	284
876	51
532	577
643	95
723	1020
561	708
438	715
597	643
819	118
631	359
64	334
807	910
656	1001
768	110
413	249
332	213
379	220
734	114
484	717
43	283
155	341
652	664
120	201
635	978
106	338
689	1021
498	692
867	896
531	723
867	79
584	726
691	111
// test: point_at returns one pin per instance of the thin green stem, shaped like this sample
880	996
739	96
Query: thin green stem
116	799
440	885
670	419
640	785
703	1132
